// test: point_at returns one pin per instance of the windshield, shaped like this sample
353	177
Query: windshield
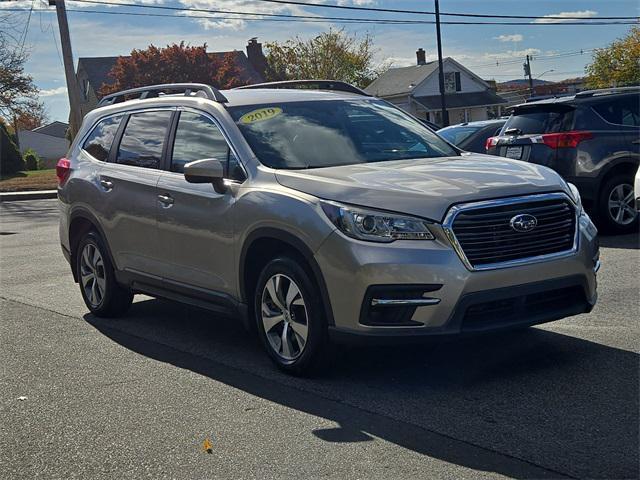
327	133
540	120
457	135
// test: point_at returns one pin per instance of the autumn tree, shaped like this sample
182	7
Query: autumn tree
333	55
18	93
33	118
174	64
618	64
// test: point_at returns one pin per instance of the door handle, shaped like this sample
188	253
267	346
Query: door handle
106	185
165	200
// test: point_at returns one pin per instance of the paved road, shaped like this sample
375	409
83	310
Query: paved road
135	397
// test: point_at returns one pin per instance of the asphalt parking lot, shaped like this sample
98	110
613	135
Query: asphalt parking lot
83	397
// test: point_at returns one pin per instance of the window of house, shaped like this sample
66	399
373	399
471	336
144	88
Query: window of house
452	82
98	143
198	137
143	139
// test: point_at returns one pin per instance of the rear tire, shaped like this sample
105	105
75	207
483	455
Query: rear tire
101	293
290	318
616	211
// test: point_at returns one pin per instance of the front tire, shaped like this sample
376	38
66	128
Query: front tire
616	205
290	318
101	293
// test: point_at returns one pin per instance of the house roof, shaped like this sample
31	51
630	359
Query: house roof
397	81
98	68
54	129
462	100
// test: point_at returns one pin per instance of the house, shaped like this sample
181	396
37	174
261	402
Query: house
48	141
93	72
416	89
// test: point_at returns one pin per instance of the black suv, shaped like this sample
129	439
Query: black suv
592	139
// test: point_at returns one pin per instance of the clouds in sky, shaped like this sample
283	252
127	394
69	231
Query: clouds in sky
566	16
516	37
51	92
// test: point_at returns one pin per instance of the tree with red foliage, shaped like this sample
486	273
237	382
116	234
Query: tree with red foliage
176	63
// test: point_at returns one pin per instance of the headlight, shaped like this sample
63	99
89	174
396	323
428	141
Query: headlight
575	196
375	226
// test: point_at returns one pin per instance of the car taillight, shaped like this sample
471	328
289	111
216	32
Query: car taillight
491	142
565	139
63	170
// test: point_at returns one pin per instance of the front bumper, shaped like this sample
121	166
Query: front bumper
458	300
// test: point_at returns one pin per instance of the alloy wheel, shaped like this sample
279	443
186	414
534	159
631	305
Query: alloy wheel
621	204
92	274
284	317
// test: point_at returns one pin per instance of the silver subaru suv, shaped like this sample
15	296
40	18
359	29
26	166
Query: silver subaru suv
314	212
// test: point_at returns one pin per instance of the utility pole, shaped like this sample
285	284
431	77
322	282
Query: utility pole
75	117
527	72
443	103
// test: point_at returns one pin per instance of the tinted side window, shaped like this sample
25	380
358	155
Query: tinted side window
620	111
98	143
143	138
197	137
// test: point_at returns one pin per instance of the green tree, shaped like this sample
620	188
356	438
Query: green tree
618	64
10	158
333	55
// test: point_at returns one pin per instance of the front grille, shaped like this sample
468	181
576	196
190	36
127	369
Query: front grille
486	237
546	305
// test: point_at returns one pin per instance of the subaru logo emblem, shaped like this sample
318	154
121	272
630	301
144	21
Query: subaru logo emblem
523	222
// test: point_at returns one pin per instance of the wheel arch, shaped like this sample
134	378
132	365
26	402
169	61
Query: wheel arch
261	245
81	222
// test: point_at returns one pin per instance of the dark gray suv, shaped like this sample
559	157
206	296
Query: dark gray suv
592	139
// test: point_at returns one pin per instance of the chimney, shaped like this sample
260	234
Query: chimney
256	58
421	56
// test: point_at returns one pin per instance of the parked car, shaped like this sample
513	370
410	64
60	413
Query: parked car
315	215
472	136
592	139
433	126
636	189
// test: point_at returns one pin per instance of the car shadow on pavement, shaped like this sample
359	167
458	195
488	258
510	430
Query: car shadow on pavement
631	241
525	404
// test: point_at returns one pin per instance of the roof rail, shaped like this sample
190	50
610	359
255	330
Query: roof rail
336	85
591	93
153	91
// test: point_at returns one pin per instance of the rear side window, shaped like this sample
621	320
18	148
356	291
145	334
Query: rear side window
98	143
535	121
143	139
620	111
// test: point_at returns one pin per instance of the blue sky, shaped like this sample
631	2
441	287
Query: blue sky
477	47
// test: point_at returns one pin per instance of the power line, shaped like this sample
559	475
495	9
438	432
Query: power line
423	12
303	18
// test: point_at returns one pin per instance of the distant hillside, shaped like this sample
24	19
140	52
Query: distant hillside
521	82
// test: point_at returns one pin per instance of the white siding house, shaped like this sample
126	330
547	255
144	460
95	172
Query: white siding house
416	90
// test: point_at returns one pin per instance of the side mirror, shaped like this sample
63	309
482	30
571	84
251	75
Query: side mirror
208	170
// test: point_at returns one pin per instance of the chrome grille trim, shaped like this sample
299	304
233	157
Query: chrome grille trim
528	199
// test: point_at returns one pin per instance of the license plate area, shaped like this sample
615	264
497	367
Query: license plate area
514	152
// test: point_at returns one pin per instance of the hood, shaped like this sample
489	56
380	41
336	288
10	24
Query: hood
424	187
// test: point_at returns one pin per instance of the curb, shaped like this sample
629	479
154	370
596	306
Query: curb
36	195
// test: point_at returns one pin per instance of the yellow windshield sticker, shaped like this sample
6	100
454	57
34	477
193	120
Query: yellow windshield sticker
260	115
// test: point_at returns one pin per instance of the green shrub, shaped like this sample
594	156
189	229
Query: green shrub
32	160
10	158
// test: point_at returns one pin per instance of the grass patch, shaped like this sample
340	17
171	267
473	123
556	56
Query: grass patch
29	180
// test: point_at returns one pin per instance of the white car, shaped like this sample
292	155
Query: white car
636	189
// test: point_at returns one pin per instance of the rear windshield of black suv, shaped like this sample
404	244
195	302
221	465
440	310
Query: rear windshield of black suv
531	120
325	133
